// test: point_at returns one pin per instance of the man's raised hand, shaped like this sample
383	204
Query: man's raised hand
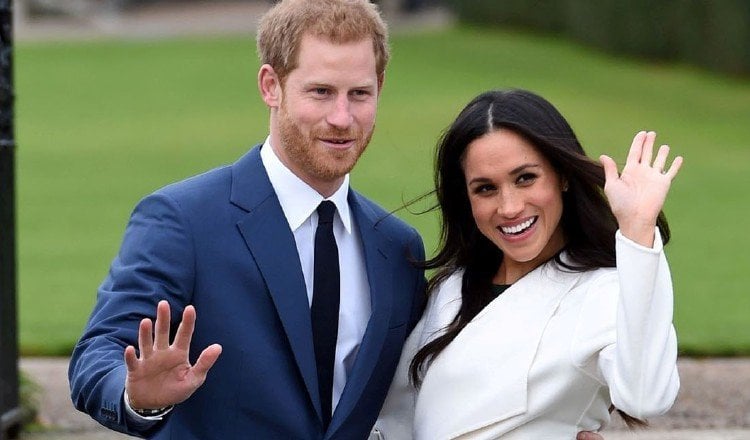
162	375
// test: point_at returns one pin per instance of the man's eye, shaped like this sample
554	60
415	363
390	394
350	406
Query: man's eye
320	91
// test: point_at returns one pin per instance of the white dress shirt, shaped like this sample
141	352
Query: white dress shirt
299	202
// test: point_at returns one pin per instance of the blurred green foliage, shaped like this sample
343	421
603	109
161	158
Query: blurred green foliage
101	124
711	33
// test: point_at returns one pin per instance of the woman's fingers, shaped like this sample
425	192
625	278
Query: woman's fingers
648	148
676	165
642	151
660	163
636	149
610	168
661	158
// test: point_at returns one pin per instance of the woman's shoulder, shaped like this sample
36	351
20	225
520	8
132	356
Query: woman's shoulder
443	302
448	289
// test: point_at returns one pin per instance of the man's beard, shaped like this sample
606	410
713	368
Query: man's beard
308	156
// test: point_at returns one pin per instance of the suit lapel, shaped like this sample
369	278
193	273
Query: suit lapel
271	243
376	249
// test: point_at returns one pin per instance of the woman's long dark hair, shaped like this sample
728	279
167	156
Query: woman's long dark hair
587	220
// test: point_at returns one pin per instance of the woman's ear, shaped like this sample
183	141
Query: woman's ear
269	86
564	184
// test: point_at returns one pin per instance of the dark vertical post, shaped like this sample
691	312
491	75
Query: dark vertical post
9	401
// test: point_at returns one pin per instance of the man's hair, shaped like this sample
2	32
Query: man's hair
281	30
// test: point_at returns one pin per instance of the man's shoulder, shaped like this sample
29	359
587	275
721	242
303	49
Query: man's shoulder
213	182
201	185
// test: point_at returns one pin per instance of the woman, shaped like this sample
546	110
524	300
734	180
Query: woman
542	313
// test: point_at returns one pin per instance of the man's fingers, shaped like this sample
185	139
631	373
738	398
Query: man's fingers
185	330
610	168
161	327
145	338
206	360
131	361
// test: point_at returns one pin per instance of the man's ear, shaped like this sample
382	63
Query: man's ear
381	81
269	86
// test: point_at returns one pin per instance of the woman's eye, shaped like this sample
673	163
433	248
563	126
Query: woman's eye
483	189
526	178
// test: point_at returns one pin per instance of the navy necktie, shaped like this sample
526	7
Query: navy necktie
325	305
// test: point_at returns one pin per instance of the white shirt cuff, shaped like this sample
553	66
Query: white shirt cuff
156	417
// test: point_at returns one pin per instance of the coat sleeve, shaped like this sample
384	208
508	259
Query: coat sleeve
627	318
155	262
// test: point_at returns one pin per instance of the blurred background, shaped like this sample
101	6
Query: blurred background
116	98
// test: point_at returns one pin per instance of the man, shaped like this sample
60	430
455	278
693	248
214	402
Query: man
297	349
237	246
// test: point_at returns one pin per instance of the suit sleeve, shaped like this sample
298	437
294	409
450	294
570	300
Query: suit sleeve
628	314
155	262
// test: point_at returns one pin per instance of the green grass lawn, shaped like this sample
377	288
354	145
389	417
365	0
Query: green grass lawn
101	124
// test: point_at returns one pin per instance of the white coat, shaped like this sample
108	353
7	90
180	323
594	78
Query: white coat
547	358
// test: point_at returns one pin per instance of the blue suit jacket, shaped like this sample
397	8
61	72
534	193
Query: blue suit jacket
220	241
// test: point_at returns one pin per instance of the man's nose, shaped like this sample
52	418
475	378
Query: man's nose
340	115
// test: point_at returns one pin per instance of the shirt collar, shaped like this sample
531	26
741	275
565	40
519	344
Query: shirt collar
298	199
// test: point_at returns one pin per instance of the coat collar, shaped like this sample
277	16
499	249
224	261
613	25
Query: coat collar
528	304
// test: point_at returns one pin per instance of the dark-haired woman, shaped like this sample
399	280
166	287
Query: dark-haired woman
553	299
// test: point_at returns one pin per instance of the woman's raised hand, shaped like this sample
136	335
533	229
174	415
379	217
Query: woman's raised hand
637	194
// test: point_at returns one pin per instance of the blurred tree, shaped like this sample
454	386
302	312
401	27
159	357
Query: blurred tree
712	33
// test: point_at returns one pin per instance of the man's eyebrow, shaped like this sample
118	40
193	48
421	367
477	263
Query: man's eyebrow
315	83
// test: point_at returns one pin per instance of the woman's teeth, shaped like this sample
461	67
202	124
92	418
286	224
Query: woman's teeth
519	228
